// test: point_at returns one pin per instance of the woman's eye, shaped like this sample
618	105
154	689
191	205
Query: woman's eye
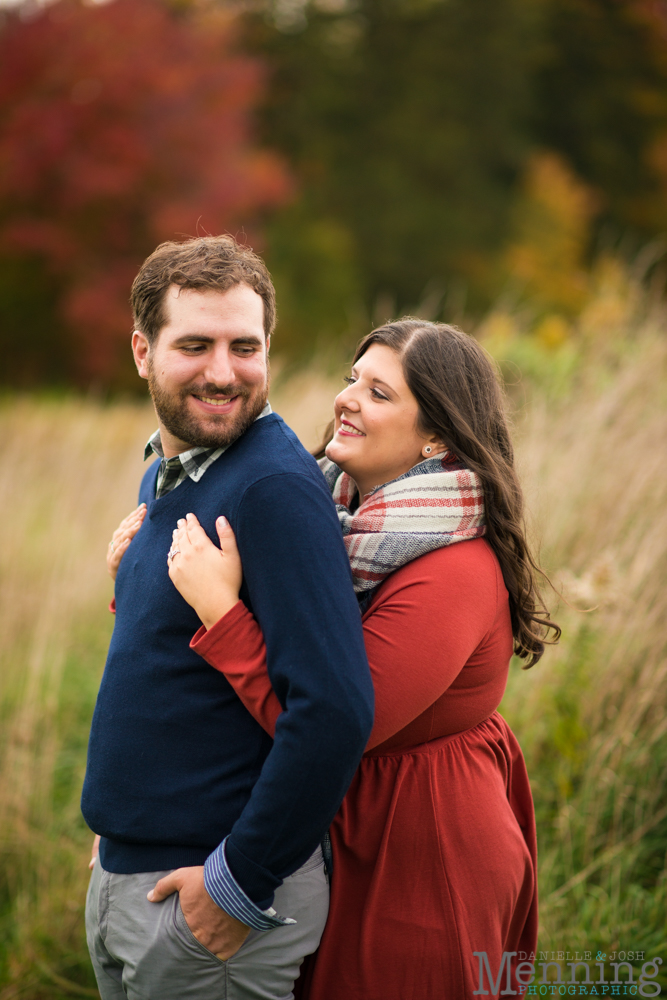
377	394
350	379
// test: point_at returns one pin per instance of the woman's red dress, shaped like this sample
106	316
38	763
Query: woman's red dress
434	844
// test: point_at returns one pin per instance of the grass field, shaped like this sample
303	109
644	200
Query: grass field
590	416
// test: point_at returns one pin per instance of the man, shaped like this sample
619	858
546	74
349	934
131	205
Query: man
197	808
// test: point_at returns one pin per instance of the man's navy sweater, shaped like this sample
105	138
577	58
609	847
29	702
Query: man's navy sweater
175	762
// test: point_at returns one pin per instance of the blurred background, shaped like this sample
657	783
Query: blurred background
500	165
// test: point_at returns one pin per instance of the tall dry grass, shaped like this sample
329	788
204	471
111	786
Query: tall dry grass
592	716
70	471
590	430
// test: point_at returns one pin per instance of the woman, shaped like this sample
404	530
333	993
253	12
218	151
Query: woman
434	860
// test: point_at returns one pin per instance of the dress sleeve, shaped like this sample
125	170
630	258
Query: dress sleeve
235	647
297	581
419	634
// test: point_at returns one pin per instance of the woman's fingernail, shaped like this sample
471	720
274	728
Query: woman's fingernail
223	522
150	895
188	516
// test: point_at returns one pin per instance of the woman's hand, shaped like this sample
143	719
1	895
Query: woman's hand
208	577
95	851
122	537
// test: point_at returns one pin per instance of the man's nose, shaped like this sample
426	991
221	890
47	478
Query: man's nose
219	367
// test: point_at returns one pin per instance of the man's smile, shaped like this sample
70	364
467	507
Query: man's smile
216	404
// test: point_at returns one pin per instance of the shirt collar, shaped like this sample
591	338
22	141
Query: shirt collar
195	461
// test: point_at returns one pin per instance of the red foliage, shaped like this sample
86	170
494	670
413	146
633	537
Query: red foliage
121	125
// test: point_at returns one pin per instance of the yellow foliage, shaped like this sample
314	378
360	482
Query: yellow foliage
552	331
613	299
552	226
498	329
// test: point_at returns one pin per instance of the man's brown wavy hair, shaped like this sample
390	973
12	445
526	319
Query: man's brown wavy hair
214	263
461	401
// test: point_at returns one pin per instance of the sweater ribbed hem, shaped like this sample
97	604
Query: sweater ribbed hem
128	859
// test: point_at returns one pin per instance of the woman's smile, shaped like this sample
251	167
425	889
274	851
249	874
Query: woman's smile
377	437
348	429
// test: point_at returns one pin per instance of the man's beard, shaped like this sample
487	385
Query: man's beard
206	431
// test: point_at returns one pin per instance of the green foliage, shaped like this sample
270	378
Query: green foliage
601	102
317	283
35	347
419	126
405	122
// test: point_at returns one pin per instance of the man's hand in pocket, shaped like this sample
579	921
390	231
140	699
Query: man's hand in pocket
215	929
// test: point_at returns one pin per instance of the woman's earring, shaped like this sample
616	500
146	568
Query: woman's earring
428	449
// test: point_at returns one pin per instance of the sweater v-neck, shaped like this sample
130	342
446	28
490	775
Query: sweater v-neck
159	504
188	484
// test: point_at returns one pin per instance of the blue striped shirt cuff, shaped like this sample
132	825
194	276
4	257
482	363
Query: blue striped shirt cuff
224	890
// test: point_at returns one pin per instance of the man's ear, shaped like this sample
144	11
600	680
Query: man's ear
140	350
268	344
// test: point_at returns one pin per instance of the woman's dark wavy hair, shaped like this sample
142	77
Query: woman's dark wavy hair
461	401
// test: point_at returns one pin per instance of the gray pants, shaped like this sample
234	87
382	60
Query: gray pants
146	951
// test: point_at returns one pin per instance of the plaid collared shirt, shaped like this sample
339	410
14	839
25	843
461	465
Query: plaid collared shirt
192	463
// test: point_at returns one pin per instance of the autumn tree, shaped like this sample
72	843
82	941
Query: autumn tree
121	125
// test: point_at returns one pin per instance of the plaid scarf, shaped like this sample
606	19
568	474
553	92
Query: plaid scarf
436	503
